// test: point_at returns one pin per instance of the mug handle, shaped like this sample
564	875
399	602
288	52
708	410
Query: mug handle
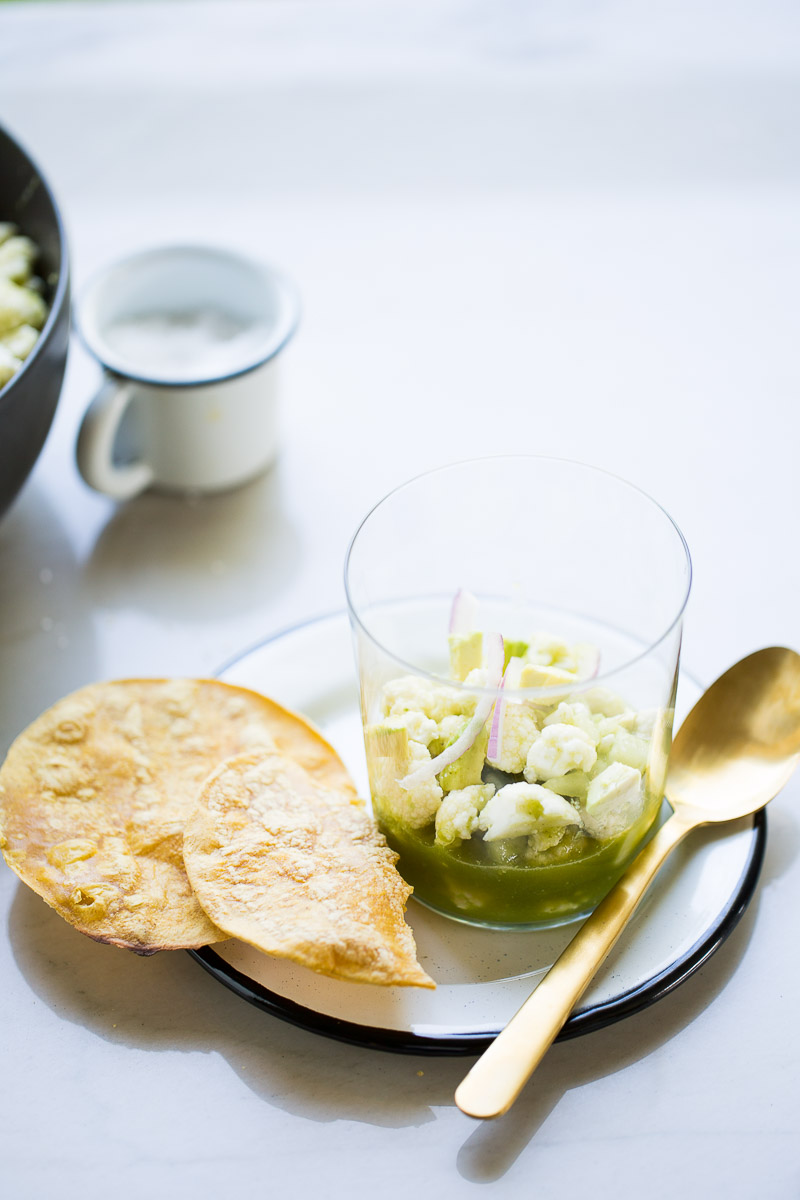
94	451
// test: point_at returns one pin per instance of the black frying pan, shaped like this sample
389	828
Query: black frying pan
28	401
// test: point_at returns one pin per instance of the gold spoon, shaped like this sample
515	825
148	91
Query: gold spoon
733	753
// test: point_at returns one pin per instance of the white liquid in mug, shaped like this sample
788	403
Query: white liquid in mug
184	346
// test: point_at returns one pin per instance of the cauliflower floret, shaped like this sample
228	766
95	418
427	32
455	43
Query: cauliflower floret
391	756
559	749
457	815
601	700
578	659
615	800
20	306
606	725
546	649
20	341
9	365
582	659
449	728
527	810
479	677
644	724
518	731
419	727
624	747
573	713
416	807
410	693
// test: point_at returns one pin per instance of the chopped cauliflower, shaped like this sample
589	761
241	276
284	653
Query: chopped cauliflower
527	810
573	749
457	815
422	800
419	727
479	677
546	649
449	728
416	806
518	730
601	700
644	723
606	725
559	749
624	747
573	713
615	800
435	700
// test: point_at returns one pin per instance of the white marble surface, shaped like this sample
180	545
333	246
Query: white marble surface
565	228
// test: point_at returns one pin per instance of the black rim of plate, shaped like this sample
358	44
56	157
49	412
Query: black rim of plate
585	1020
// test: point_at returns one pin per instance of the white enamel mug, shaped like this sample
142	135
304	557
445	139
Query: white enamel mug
189	338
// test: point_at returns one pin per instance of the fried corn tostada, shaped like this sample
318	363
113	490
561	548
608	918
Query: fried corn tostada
301	871
95	793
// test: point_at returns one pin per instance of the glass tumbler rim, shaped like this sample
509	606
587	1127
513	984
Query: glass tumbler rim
518	693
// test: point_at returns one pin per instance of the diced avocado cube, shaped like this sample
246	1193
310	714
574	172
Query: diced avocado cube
615	800
513	650
466	653
467	769
387	741
575	784
536	676
630	749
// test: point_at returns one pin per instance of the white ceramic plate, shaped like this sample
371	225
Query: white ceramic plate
483	976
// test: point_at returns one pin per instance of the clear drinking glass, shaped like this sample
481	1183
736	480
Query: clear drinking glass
517	627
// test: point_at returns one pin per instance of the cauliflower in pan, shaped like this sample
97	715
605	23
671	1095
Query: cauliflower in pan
23	311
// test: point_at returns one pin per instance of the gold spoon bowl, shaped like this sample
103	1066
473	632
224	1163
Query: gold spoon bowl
734	752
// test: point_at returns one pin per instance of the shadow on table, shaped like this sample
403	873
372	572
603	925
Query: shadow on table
494	1146
191	557
47	637
167	1002
783	843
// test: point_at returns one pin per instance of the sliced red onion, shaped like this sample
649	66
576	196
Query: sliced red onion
495	656
496	734
510	679
463	612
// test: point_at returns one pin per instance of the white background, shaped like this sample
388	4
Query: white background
568	229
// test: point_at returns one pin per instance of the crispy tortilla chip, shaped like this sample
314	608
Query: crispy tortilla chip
95	793
300	871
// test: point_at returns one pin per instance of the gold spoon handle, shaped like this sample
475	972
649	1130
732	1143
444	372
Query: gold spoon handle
500	1074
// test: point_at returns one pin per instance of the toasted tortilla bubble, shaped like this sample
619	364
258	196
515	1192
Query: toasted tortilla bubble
300	871
94	796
